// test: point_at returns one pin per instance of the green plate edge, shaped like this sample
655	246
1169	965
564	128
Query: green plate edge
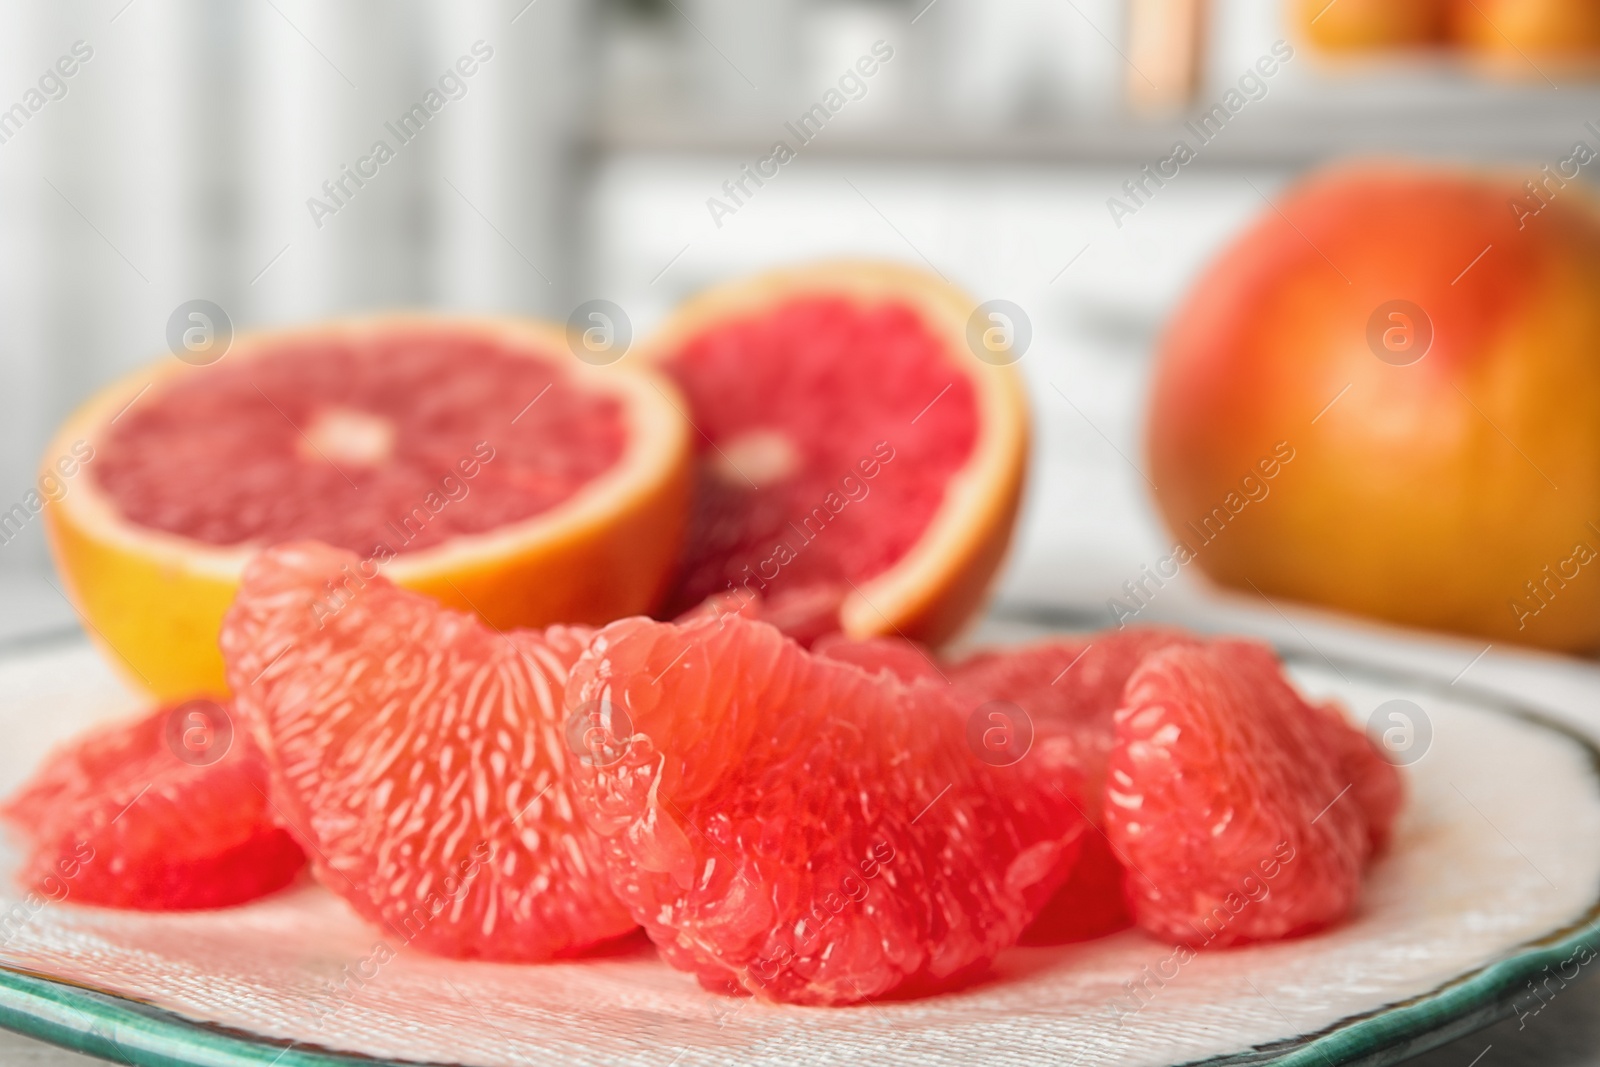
141	1035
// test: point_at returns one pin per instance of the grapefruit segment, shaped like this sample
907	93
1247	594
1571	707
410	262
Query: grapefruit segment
1228	801
420	756
1375	783
905	660
1089	904
1070	688
137	814
475	460
795	827
851	446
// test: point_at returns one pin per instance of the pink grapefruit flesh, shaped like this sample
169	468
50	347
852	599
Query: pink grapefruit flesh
809	444
420	756
140	814
858	465
1229	802
344	440
794	827
476	460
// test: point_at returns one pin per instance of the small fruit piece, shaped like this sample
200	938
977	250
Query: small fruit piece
1070	687
1226	803
1371	25
116	817
855	452
795	827
1089	903
1369	400
1375	783
903	660
419	755
481	462
1524	38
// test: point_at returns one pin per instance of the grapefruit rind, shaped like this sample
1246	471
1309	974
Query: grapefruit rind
934	589
154	601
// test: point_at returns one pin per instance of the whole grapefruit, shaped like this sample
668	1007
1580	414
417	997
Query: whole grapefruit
1384	397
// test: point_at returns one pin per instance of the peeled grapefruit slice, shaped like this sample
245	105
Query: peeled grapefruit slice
1062	692
1375	783
795	827
1228	798
904	660
420	757
854	454
476	461
1069	689
166	811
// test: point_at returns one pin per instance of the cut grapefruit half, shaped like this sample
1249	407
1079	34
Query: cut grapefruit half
855	455
476	461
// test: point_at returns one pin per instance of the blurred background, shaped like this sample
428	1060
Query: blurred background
542	153
197	152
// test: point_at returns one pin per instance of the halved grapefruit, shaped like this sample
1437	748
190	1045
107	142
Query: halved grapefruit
475	461
857	460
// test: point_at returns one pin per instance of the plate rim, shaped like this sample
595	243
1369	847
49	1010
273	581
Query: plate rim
120	1027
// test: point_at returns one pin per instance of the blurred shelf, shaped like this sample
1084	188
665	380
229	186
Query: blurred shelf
1475	124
